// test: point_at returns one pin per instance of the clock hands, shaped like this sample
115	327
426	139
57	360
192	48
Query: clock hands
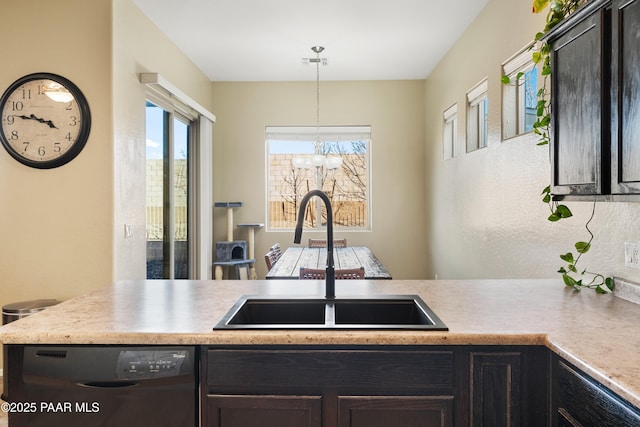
38	119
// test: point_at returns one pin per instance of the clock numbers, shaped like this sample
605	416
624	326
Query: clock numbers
44	120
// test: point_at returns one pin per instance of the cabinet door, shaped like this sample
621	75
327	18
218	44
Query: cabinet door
580	401
578	123
625	97
495	389
406	411
264	411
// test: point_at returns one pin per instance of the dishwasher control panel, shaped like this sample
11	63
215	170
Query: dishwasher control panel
143	364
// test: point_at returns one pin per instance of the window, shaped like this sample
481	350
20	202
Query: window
519	97
178	138
450	132
477	117
168	193
300	159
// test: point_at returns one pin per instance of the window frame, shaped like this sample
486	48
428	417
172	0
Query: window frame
167	96
450	132
514	94
477	116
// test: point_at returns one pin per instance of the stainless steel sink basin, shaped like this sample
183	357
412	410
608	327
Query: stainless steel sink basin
382	312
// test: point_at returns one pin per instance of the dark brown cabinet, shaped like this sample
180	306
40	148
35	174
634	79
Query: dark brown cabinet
264	411
579	400
595	87
625	97
360	386
384	411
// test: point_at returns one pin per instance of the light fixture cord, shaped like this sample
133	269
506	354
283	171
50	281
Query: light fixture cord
318	50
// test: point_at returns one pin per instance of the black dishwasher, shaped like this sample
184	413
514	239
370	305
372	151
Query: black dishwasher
105	386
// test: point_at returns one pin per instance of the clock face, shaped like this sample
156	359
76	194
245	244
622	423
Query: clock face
45	120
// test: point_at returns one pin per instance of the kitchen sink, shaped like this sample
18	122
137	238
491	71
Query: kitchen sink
279	312
381	312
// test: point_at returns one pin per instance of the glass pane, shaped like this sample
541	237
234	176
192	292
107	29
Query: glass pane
530	98
293	173
484	123
180	199
155	149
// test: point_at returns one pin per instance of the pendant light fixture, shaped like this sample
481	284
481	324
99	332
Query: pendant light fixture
318	159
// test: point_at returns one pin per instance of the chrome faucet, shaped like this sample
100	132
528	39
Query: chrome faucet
330	272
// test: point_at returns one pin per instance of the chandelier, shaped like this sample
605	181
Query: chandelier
318	159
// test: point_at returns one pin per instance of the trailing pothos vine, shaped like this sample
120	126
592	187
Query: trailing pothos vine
572	277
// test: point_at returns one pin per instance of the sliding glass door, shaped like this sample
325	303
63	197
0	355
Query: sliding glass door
168	194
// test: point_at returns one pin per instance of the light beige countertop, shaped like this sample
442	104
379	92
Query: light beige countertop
597	333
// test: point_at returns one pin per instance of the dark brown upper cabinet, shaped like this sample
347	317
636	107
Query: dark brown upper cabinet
595	89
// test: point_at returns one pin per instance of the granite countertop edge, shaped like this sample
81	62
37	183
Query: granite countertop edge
596	333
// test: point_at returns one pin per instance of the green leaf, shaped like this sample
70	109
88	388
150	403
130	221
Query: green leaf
505	80
609	283
570	281
599	290
563	211
553	217
536	56
545	120
583	247
539	5
547	194
568	257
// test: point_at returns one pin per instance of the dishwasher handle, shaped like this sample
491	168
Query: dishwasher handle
108	384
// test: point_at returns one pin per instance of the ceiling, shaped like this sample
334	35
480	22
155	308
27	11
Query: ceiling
266	40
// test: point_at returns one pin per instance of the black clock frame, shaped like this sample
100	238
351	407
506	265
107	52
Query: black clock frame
85	124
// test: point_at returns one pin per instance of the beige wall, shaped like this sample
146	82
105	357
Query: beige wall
56	224
139	47
486	219
62	229
395	111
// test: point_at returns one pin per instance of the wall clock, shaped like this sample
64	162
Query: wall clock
45	120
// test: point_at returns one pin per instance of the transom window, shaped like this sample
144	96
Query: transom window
519	97
477	106
450	132
334	159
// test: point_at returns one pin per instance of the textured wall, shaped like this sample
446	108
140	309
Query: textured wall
486	219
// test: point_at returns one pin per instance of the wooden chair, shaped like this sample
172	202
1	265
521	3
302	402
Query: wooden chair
273	255
343	274
322	243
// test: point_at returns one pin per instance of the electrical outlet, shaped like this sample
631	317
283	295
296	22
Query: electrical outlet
632	255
